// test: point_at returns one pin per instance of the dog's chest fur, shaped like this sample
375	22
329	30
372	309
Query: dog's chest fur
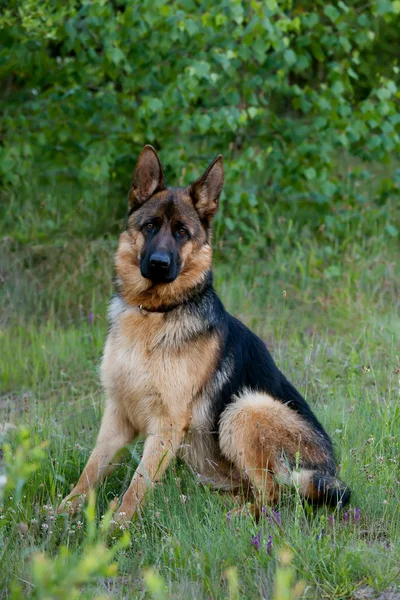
156	365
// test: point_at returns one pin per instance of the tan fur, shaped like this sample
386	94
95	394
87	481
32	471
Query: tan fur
152	385
259	434
148	374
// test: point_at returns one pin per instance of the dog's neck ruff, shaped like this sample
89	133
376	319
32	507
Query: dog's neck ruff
195	293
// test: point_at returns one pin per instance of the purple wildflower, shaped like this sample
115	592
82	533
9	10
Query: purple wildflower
269	545
228	518
357	513
275	517
256	540
90	338
331	520
91	318
264	511
345	517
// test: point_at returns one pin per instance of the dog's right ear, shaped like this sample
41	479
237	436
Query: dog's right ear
147	178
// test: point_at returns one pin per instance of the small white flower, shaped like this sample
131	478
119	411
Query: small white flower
45	527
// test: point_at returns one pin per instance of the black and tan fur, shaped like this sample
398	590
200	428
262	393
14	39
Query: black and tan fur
181	372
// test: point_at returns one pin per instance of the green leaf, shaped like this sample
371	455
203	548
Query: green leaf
332	13
329	188
116	55
154	104
290	57
310	173
316	50
253	111
333	271
392	230
337	88
384	6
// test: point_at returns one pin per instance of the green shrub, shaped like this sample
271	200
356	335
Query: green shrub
279	88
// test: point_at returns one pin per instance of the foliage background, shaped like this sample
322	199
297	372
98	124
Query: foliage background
291	93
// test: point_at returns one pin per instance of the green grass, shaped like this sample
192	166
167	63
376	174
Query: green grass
334	332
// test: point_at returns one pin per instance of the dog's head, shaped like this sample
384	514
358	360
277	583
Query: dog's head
165	249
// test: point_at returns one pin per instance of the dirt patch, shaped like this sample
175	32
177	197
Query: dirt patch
367	593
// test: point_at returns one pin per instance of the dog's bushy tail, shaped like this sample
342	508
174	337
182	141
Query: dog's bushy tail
322	488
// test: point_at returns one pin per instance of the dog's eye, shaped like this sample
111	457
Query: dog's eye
150	226
182	231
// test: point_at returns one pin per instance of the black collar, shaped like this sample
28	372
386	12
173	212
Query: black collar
164	308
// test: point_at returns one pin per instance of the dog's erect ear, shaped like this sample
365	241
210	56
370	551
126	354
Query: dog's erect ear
147	177
206	190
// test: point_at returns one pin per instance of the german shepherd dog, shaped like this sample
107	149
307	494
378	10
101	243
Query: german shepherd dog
184	374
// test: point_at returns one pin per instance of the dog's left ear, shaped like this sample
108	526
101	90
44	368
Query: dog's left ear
206	190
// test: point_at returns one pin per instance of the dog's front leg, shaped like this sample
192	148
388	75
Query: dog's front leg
115	433
161	445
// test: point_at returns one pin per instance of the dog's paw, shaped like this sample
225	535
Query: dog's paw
72	504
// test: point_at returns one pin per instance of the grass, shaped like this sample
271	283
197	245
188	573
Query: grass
328	308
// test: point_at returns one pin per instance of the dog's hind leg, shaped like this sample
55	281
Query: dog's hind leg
265	439
115	433
244	439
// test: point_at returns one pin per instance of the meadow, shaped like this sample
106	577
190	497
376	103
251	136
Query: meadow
302	100
328	309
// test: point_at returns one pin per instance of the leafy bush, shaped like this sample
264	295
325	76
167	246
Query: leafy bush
280	89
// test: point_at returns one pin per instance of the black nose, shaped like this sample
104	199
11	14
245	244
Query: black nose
160	260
